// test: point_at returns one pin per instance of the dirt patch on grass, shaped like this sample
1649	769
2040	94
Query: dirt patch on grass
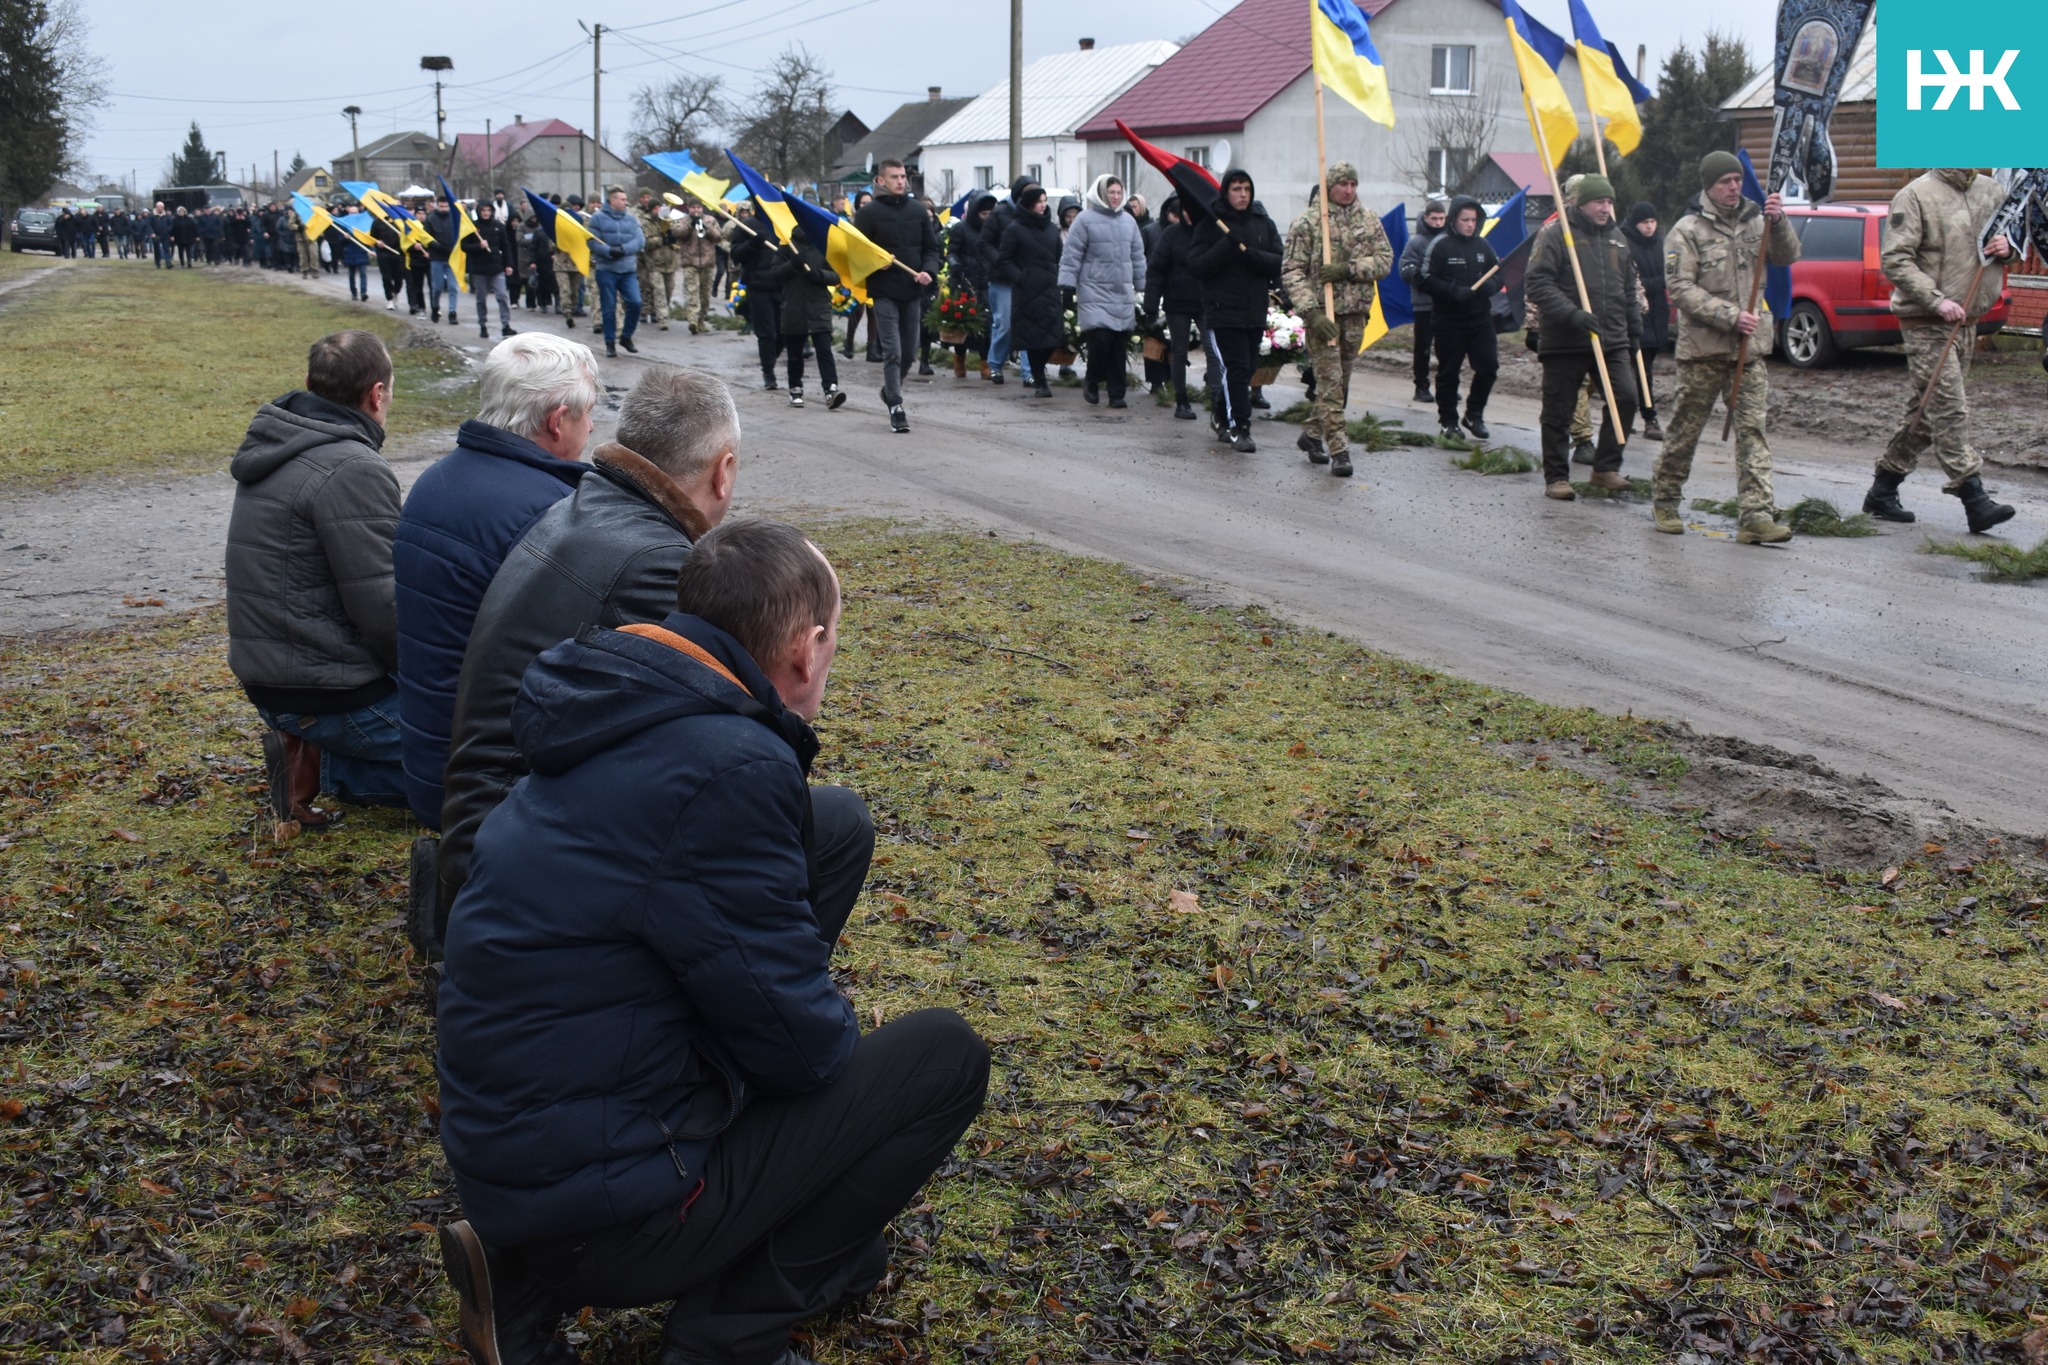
1329	1022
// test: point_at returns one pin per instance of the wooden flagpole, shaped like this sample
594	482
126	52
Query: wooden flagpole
1571	251
1969	297
1323	199
1600	152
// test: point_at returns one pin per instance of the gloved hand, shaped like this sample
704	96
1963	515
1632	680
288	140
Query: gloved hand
1336	272
617	251
1067	297
1460	294
1531	340
1584	320
1320	325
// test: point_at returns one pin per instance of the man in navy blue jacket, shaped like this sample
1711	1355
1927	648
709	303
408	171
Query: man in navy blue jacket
651	1089
515	459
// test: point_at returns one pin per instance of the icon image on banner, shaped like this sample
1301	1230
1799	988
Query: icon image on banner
1960	85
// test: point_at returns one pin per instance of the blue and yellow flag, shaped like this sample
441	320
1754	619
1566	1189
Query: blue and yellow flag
1777	278
675	165
1392	303
313	219
461	226
570	237
411	231
358	225
1607	95
357	189
1346	59
1508	228
1538	52
847	249
773	203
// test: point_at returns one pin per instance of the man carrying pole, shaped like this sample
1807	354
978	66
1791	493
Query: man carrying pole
1592	332
1345	274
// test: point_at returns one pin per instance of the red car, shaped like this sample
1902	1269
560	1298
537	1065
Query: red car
1840	299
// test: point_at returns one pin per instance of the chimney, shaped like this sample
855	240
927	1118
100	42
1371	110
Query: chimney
519	118
1087	44
932	92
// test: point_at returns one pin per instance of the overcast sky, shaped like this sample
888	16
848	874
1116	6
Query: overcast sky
274	77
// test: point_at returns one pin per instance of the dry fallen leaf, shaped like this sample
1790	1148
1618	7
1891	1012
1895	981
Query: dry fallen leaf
1183	902
1890	1002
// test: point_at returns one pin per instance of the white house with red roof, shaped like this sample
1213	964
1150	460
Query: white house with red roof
1239	94
547	156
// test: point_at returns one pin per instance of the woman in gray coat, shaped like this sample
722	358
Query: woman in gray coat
1102	276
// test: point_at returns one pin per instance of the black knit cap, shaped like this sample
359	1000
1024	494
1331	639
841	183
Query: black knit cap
1646	209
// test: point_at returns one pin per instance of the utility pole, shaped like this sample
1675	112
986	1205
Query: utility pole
276	174
490	170
1016	89
437	65
352	113
597	106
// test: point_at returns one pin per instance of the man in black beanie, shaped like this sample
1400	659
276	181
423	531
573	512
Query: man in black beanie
1569	331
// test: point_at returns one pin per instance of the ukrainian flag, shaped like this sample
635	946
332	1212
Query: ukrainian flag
569	236
314	219
1392	303
411	232
1607	95
675	165
706	187
1509	228
357	225
1347	61
1538	52
847	249
773	203
1777	278
458	259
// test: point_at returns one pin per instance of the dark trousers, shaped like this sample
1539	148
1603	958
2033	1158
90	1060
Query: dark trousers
1563	376
391	271
416	284
1041	363
828	365
764	315
1425	344
1108	359
897	322
1459	341
1234	352
1179	327
795	1199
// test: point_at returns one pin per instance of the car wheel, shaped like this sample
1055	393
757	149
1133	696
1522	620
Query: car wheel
1809	341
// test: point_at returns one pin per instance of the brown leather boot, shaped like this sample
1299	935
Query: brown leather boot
1610	479
293	767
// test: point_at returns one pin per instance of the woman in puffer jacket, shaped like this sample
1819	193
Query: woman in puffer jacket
1102	268
1028	260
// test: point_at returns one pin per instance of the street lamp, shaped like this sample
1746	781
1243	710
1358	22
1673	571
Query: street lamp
437	65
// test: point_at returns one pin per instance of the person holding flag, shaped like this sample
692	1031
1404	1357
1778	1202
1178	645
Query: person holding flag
1358	256
1237	256
1584	293
899	225
1427	228
1461	273
1711	257
487	251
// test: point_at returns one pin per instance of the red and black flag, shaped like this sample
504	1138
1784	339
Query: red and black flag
1194	183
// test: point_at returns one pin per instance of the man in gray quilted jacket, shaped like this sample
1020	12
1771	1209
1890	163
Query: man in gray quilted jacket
312	625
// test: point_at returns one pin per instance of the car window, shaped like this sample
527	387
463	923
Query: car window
1831	239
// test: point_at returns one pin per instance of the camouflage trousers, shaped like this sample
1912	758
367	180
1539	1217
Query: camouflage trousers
657	291
1332	365
695	281
1946	427
1700	383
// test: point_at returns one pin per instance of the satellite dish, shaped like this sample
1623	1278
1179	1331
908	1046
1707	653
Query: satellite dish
1219	155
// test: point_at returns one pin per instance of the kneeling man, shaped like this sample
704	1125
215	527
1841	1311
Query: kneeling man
651	1089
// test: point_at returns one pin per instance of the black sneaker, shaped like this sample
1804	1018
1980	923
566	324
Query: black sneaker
1259	399
995	376
1118	403
796	398
1090	392
835	398
898	423
1423	395
1185	411
627	342
1451	433
924	367
508	331
1476	424
1041	389
611	351
768	382
437	315
1241	441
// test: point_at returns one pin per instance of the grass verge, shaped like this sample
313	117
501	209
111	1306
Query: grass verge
1324	1028
2002	563
120	368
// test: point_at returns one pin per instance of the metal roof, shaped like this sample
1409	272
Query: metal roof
1226	73
1060	91
503	142
1859	83
903	132
387	146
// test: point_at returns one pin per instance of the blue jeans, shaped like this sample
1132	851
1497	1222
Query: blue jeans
611	286
359	758
440	280
359	280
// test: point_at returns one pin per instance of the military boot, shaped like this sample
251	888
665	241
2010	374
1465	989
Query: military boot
1311	445
1979	507
1664	516
1340	464
1882	501
1758	528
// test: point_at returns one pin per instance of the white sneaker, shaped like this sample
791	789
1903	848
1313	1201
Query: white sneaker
391	305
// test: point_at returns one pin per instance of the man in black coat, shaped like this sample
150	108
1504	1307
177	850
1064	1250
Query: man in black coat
1170	283
898	224
652	1090
753	254
1460	274
1646	244
488	254
1237	257
999	346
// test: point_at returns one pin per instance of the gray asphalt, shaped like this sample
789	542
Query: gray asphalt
1868	654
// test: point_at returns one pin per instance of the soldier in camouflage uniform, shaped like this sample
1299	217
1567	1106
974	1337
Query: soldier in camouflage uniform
657	259
1930	256
1710	258
570	278
697	238
1360	255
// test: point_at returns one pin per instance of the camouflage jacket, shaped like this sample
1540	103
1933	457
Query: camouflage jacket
660	251
564	267
696	242
1930	250
1709	260
1356	239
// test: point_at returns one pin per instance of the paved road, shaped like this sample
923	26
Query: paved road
1868	654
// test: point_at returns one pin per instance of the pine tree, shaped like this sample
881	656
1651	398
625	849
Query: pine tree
193	164
34	132
298	164
1684	122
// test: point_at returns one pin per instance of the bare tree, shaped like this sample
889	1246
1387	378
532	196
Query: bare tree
782	125
684	114
1447	147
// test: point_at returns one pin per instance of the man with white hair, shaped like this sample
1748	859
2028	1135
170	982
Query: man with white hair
515	459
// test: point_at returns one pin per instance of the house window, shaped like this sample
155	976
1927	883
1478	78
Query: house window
1198	155
1127	167
1035	171
1450	70
984	177
1448	168
946	179
416	171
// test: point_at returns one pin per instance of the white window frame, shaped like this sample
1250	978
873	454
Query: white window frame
1440	165
1198	155
946	179
1448	53
1126	169
985	177
1035	171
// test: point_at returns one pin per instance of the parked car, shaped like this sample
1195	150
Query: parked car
1840	298
33	230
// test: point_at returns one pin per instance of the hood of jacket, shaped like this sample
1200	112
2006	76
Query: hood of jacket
605	686
1223	209
1459	204
294	424
1095	198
